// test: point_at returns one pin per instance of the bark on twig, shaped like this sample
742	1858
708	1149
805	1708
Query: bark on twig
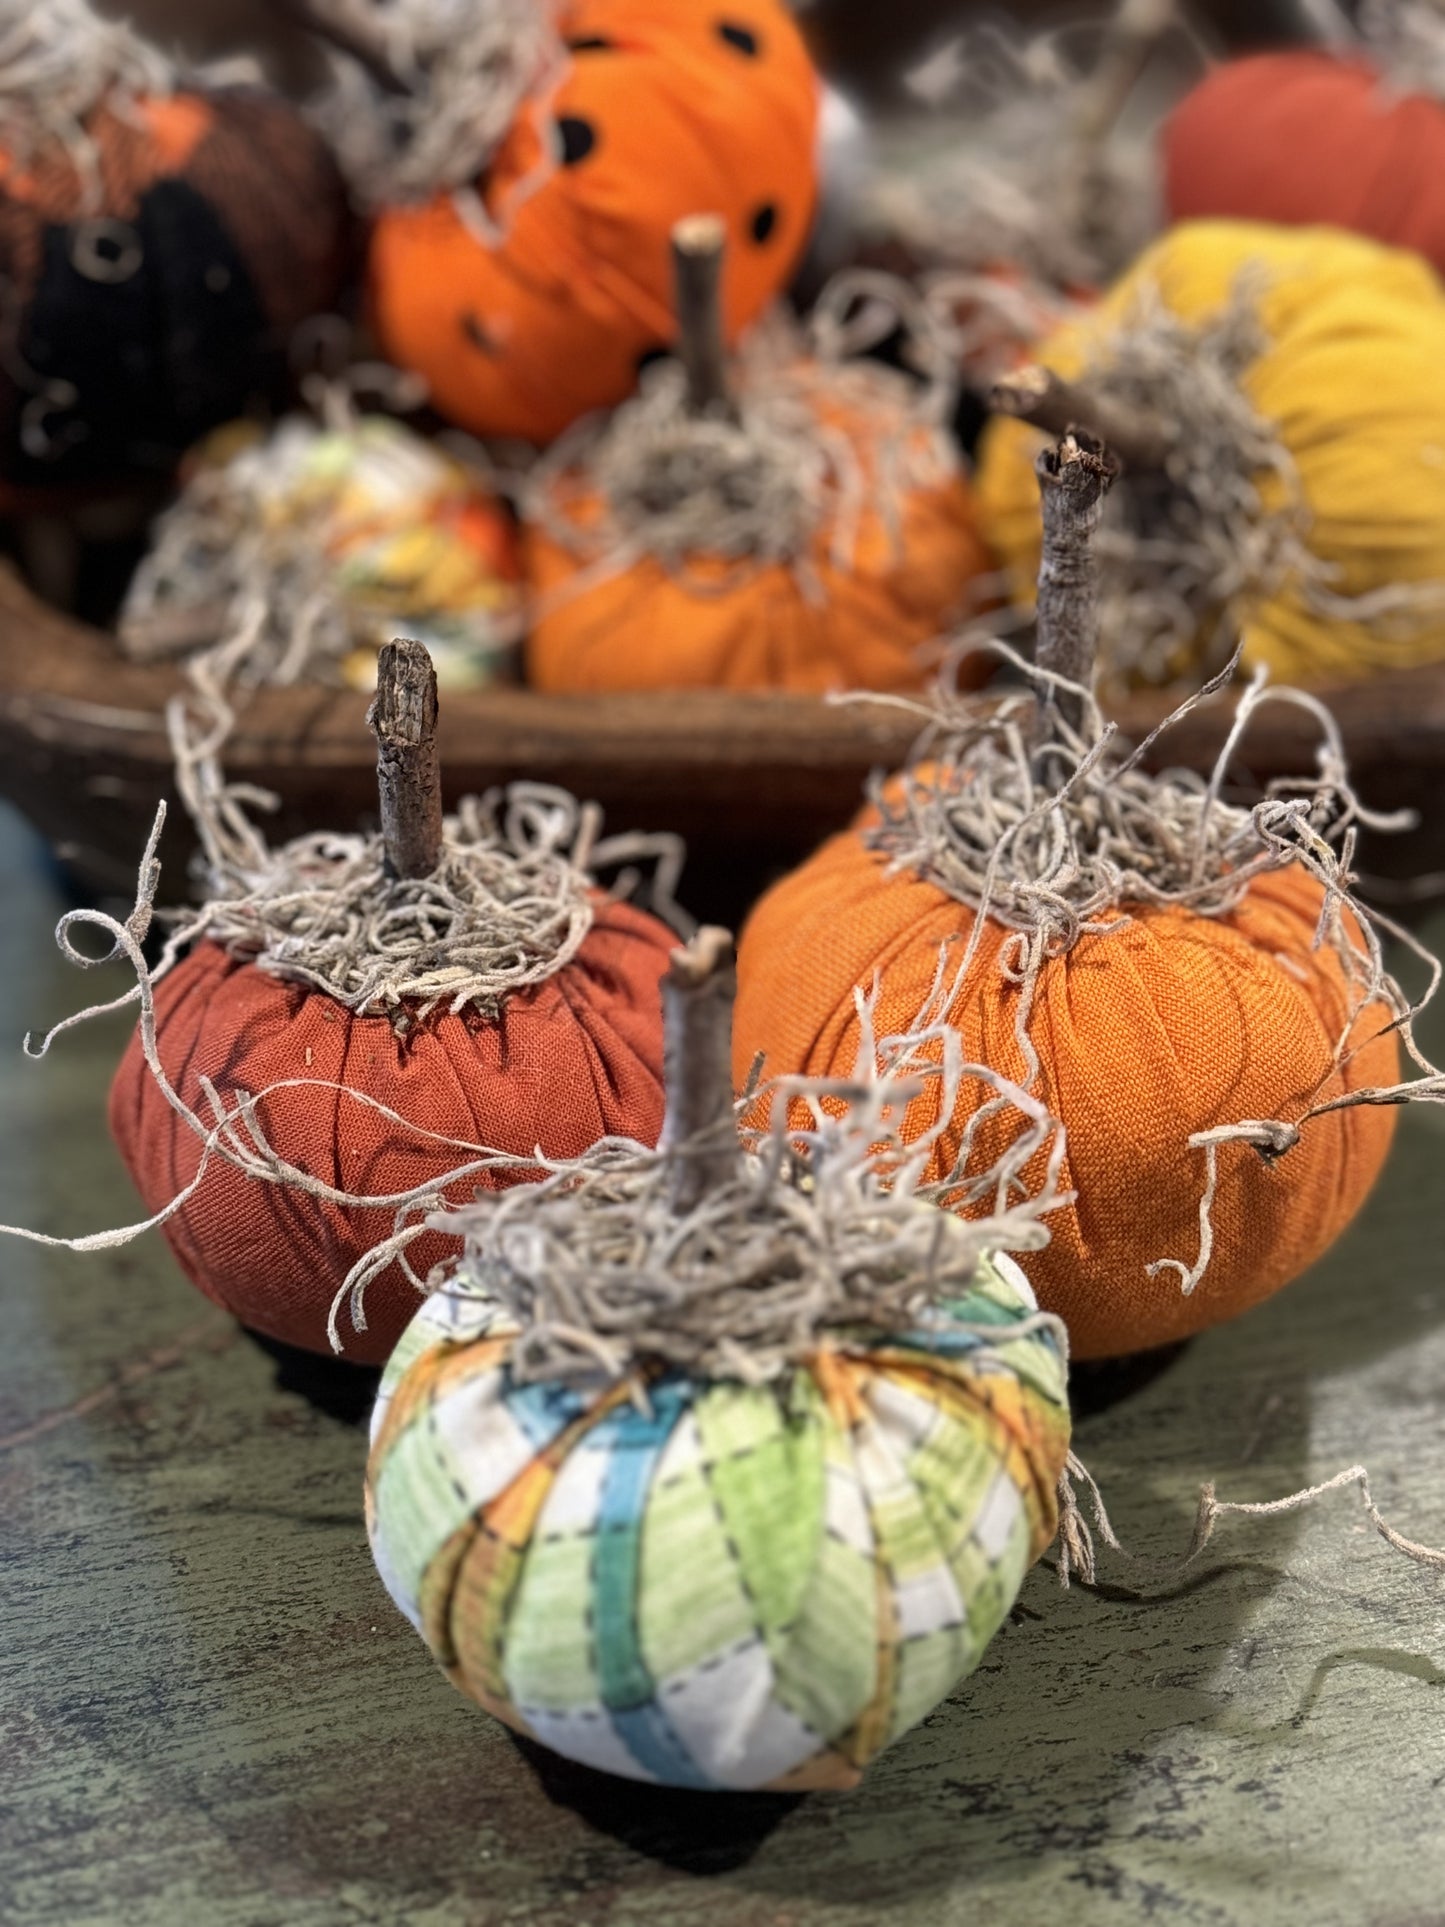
698	245
1073	481
699	1128
403	718
1138	438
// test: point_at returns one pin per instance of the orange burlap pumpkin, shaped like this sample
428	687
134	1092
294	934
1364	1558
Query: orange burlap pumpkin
854	624
669	106
151	294
567	1061
1172	1025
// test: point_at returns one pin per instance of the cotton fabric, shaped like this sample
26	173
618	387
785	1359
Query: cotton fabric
738	1586
1172	1025
669	108
1356	335
720	624
569	1060
1303	136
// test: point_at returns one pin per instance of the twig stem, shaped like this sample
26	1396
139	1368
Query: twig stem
1139	438
1074	478
698	245
403	718
699	1129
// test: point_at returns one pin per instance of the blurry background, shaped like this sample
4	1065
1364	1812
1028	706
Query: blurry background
863	45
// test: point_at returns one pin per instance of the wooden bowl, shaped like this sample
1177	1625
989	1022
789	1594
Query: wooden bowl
753	781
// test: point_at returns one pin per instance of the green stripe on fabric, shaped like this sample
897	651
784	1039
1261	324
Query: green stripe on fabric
766	1472
548	1655
633	1441
418	1505
953	1470
692	1603
824	1669
929	1667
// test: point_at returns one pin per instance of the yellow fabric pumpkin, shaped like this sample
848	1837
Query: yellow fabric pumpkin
1349	379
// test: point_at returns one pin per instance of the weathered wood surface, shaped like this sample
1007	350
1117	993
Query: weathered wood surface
209	1712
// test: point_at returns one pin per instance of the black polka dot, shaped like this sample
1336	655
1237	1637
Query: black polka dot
764	220
649	356
578	139
474	332
593	44
743	38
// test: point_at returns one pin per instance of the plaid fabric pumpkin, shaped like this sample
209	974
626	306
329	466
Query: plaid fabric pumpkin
725	1585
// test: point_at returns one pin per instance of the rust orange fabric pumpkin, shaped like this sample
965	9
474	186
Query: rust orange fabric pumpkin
807	527
530	290
1305	136
563	1063
1140	955
416	1014
158	243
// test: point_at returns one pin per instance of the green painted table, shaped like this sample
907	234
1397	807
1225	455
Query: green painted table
210	1713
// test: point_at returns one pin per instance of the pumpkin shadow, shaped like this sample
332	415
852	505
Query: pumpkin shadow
334	1387
687	1831
1098	1384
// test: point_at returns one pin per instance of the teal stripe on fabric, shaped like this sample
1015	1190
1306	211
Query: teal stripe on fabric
634	1443
647	1733
542	1411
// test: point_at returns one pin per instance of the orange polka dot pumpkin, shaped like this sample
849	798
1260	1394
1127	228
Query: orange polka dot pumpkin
664	107
157	250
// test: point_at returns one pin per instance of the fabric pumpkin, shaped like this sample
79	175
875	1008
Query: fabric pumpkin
416	1013
1151	962
1342	388
665	107
576	1058
1146	1035
1307	136
350	531
814	621
743	1586
644	628
158	250
703	1476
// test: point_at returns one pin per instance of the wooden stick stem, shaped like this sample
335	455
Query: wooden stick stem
1074	478
1139	438
403	718
698	1128
698	245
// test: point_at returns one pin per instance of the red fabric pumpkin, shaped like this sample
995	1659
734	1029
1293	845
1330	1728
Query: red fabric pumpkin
1304	137
668	107
567	1061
